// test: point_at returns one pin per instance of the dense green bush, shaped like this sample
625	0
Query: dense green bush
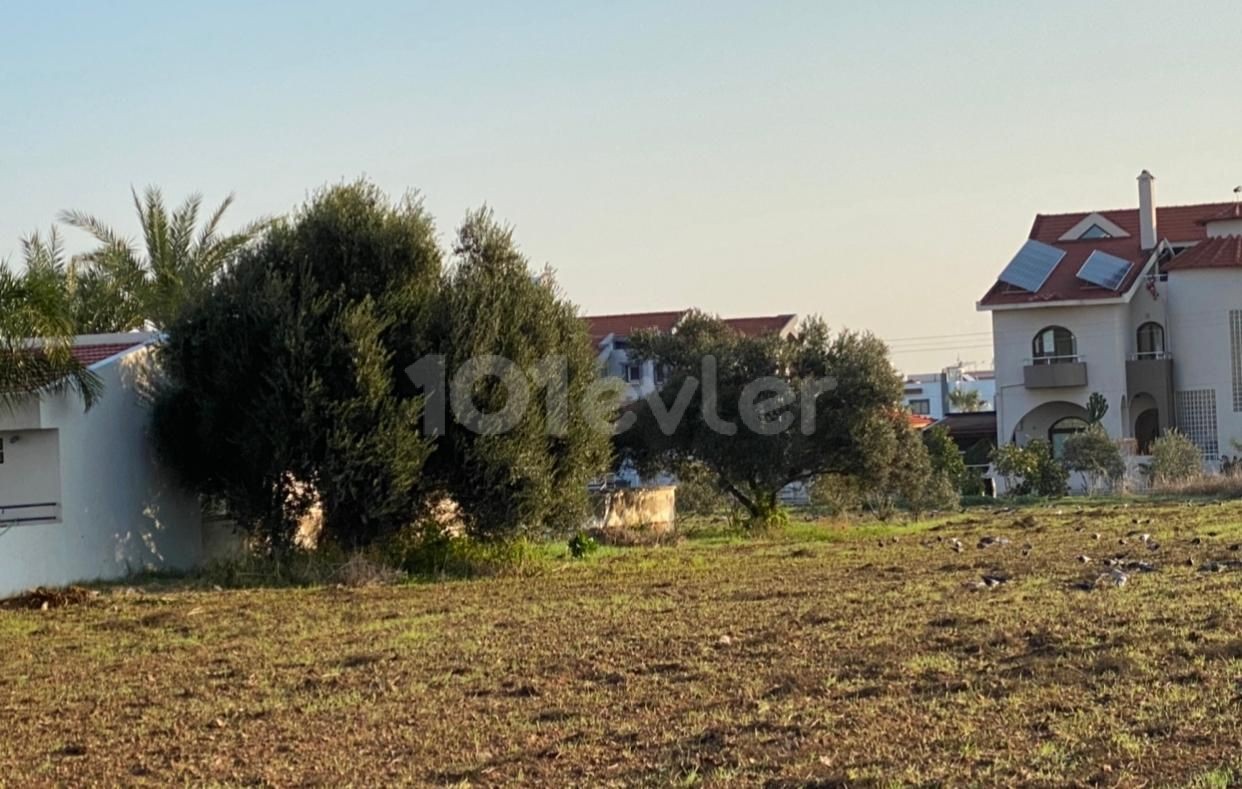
946	458
1096	456
1031	469
287	385
1174	458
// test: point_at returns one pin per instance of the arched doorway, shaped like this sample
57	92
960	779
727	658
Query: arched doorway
1052	422
1146	422
1146	430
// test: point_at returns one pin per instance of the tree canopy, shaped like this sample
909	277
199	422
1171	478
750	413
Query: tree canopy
120	286
763	412
289	385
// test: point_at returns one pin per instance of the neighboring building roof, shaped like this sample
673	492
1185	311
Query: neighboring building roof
623	325
769	324
972	424
920	422
1234	211
1177	224
90	354
1222	252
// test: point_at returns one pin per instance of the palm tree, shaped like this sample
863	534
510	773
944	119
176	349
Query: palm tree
36	344
129	287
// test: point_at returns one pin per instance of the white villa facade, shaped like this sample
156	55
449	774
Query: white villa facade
82	497
1141	305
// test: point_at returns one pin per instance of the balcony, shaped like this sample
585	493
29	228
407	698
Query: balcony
1055	372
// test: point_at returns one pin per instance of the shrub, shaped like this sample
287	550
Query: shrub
1031	469
582	545
1174	458
836	494
1097	456
699	491
946	458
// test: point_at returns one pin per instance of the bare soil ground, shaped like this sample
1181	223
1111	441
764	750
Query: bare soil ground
819	656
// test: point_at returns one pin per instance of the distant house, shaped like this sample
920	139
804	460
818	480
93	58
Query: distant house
1143	305
82	496
610	337
927	394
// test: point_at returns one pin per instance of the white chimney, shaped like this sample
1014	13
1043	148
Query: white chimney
1147	209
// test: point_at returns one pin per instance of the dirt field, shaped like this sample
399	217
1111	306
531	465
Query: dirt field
821	656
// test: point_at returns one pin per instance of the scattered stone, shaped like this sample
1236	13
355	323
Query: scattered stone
1121	541
1119	578
992	581
724	641
1197	541
1212	567
1235	547
987	542
956	545
1084	559
1095	536
1190	562
1145	537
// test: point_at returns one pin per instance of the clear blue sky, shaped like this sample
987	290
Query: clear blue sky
876	163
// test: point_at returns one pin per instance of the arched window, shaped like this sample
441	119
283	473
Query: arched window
1054	345
1061	430
1150	341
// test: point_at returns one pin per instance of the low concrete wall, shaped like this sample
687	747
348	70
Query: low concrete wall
652	509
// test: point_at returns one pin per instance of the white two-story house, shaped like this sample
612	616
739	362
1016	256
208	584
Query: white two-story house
1143	305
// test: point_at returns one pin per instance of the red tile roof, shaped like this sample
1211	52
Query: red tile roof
920	422
623	325
600	326
1222	252
1175	223
90	354
754	327
1234	211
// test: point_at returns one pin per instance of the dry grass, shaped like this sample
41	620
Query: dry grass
1215	485
821	655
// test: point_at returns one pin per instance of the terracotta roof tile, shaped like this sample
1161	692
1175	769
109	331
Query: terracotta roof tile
1174	223
90	354
623	325
1222	252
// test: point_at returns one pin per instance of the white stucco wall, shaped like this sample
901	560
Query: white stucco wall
119	510
1199	306
1224	227
1103	333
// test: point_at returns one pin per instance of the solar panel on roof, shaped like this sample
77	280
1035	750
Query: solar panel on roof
1031	267
1105	270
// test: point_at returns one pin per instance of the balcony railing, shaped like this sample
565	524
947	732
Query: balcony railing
21	514
1070	358
1149	356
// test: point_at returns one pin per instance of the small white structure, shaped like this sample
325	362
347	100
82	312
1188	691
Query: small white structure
82	497
1141	305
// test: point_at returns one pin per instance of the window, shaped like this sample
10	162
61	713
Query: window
634	373
1150	341
1061	430
920	407
1054	345
1093	232
1196	417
